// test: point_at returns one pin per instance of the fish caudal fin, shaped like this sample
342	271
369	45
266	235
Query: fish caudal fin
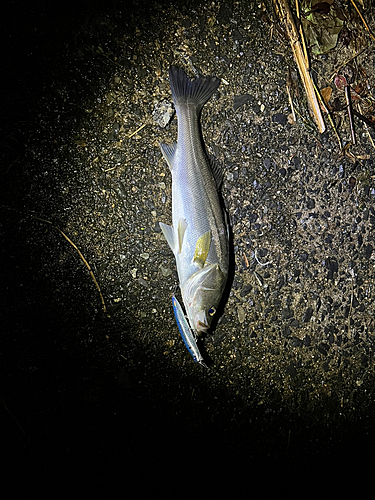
195	92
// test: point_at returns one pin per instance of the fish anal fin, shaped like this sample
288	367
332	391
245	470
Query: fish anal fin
169	151
202	248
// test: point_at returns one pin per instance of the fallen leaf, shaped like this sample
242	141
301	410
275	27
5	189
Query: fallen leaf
321	26
326	94
340	82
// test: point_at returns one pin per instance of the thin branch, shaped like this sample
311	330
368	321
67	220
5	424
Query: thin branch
283	9
138	130
323	104
350	113
82	257
363	20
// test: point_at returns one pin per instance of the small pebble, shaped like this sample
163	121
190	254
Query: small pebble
165	271
162	113
241	314
280	118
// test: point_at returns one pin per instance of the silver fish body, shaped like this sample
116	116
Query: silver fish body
199	235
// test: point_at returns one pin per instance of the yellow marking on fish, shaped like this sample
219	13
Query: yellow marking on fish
202	248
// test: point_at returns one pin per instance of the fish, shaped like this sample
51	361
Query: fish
186	333
199	233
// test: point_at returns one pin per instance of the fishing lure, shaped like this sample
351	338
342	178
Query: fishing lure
186	332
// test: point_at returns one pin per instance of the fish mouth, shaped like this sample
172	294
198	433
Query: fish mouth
202	326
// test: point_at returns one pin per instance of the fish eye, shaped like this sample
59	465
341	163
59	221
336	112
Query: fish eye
211	311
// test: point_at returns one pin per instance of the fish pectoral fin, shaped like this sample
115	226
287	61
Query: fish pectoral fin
169	151
182	225
202	248
168	235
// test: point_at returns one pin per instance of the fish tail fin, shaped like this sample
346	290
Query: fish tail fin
194	92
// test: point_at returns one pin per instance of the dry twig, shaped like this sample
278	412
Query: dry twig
363	20
285	14
82	257
350	113
323	104
136	131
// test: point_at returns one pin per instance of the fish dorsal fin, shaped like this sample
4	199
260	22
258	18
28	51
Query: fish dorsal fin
216	170
168	235
169	151
182	225
202	248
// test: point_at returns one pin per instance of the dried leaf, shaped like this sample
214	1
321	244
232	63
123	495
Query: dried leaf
340	82
326	94
321	24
